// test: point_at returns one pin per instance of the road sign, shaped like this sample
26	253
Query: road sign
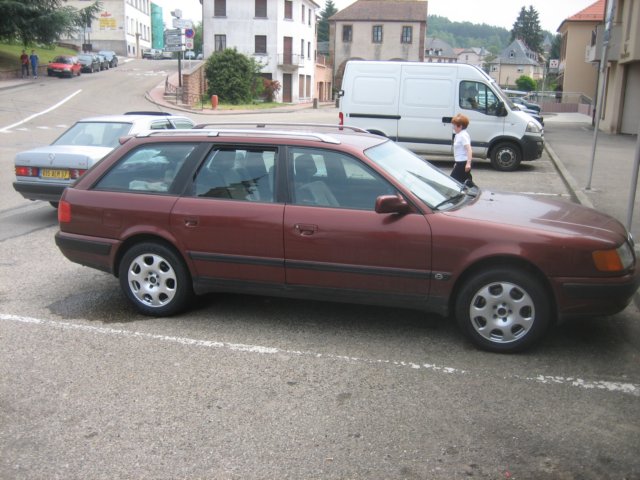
182	23
177	31
172	40
173	48
189	33
189	43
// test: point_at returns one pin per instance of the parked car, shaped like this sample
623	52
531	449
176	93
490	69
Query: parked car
190	54
43	173
152	54
64	66
531	113
89	62
104	63
335	213
111	57
521	102
166	55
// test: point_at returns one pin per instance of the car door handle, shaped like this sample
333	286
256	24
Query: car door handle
191	222
305	229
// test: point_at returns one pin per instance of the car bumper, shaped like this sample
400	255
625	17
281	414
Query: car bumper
39	191
589	297
532	147
89	251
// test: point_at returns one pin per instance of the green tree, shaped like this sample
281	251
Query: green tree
527	28
36	21
526	83
198	38
323	25
86	16
233	77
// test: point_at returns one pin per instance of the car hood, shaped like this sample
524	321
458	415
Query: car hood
74	156
556	217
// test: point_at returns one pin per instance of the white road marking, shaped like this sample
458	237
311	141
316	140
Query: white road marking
628	388
50	109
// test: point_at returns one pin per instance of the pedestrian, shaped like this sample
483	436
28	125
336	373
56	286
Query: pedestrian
34	63
24	64
461	150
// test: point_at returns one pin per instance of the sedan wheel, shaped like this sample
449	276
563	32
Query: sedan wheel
155	279
503	310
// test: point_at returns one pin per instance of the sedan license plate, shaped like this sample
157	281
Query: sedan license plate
51	173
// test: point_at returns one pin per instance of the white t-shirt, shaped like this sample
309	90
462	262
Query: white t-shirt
461	140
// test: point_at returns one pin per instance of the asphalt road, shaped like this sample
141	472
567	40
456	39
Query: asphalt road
245	387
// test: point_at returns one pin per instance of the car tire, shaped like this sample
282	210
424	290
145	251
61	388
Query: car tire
503	309
505	157
155	279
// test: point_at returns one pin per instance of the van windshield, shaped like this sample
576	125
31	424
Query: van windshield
424	180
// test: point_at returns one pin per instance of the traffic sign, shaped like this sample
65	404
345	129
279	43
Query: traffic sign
172	40
189	33
182	23
173	48
189	43
177	31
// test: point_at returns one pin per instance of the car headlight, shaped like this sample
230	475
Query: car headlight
532	127
616	260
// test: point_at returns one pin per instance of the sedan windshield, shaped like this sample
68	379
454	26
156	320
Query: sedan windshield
425	181
96	134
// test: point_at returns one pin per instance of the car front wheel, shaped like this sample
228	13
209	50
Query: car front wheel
503	309
505	157
155	279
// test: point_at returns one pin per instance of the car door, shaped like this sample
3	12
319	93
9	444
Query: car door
334	241
228	221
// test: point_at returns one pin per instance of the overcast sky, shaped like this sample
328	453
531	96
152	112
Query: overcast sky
501	13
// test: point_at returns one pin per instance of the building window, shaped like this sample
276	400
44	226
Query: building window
220	8
288	9
376	34
261	8
302	13
220	42
301	48
261	44
407	35
347	33
308	49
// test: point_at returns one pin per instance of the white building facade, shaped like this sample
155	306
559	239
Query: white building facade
279	34
122	25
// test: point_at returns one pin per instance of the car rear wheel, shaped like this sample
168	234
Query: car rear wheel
155	279
505	157
503	309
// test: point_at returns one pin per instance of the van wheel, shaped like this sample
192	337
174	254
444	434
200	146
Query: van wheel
503	309
155	279
505	157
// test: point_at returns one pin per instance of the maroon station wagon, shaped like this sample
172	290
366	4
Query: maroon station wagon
338	214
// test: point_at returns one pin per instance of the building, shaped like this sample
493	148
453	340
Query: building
576	75
123	26
621	101
279	34
472	56
378	30
514	61
439	51
157	27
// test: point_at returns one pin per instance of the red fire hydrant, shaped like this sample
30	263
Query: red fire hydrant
214	101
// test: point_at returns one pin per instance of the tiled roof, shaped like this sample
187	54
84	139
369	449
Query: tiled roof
517	53
435	44
384	10
593	13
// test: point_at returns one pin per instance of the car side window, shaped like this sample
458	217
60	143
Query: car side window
238	174
149	168
161	125
331	179
182	123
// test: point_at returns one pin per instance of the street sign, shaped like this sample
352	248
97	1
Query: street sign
177	31
189	33
173	48
182	23
171	40
189	43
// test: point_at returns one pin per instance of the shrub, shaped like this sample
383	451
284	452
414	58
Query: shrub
233	77
526	83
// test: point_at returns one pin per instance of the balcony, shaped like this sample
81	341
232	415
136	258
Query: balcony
290	62
593	52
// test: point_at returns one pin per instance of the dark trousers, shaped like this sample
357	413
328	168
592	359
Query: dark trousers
459	173
25	70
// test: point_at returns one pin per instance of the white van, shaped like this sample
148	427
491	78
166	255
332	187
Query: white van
413	103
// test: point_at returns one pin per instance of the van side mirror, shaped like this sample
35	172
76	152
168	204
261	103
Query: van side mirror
501	111
340	93
391	204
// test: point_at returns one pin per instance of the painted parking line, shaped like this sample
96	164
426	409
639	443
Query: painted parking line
613	387
35	115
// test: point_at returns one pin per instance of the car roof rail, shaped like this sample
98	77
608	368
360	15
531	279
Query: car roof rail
280	125
150	112
239	132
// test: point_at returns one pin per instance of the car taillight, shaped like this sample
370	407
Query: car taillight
22	171
76	173
64	212
341	117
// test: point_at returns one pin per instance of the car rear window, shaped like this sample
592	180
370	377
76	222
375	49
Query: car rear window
97	134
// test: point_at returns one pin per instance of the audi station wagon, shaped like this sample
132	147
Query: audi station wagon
335	213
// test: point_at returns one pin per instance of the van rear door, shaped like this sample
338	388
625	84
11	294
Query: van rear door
426	107
370	98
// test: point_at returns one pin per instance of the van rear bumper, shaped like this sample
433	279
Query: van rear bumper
532	147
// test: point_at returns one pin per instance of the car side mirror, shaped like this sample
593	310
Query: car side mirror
391	204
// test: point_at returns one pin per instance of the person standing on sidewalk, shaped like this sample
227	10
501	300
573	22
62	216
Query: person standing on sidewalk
462	150
34	63
24	64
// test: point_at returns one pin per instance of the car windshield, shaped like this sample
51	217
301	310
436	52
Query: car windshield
66	60
433	187
96	134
